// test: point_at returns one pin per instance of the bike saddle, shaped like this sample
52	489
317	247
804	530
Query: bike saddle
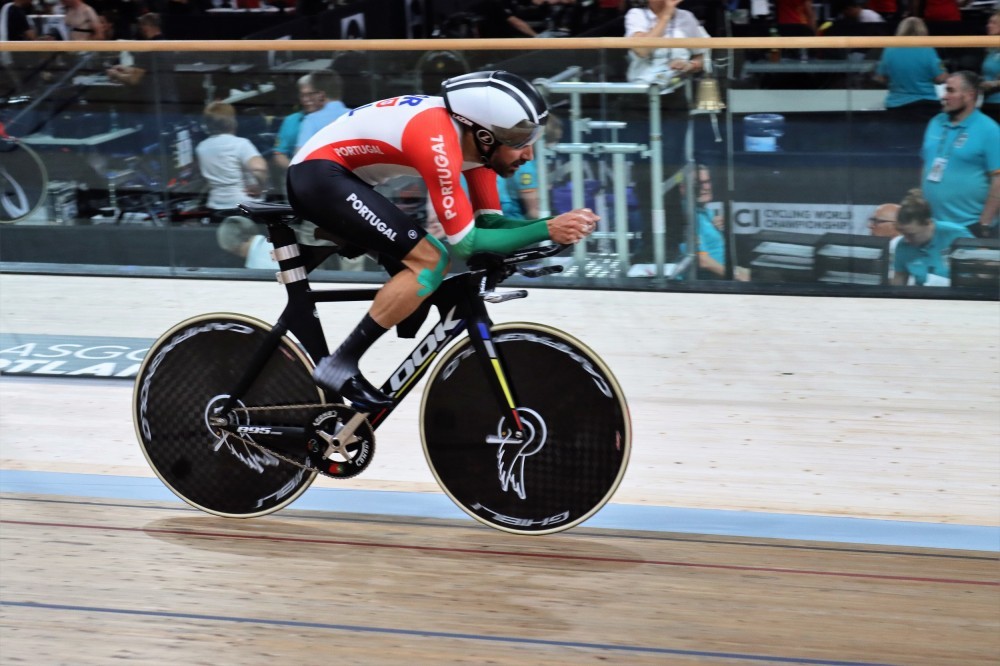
267	212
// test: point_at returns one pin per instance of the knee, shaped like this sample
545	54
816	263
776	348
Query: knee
433	265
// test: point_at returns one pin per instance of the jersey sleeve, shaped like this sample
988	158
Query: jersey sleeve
430	139
482	184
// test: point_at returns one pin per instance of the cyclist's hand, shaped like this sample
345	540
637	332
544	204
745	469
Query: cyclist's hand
573	226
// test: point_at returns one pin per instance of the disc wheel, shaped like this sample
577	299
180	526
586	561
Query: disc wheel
572	412
185	378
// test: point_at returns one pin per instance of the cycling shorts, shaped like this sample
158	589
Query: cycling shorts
332	197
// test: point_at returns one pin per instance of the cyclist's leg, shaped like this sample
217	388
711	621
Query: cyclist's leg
335	199
426	265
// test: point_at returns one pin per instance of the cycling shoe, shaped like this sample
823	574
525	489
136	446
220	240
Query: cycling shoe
347	382
363	396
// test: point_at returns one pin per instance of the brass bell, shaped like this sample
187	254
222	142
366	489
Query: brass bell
708	95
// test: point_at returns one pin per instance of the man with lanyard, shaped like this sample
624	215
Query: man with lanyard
961	156
483	125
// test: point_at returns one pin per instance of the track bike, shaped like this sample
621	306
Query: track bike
523	426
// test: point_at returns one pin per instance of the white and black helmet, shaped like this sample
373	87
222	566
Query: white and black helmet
500	107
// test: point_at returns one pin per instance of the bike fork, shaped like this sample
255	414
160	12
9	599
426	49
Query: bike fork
481	336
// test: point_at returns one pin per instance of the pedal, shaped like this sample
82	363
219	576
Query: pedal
496	297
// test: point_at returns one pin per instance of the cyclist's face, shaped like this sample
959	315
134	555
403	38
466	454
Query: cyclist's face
507	160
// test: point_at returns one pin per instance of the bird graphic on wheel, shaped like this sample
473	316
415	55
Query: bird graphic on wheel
513	454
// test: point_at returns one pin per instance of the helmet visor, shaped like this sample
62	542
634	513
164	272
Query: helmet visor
520	135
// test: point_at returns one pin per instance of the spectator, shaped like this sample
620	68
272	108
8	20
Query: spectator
922	253
991	71
325	89
858	12
14	27
961	159
796	18
311	99
887	9
233	167
882	224
499	19
662	18
107	26
854	20
936	10
519	192
151	91
710	229
246	239
82	21
910	74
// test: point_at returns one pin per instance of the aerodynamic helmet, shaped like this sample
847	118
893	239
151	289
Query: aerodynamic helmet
500	107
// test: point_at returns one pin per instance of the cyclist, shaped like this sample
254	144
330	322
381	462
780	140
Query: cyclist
483	124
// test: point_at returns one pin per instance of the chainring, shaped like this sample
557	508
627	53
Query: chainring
325	454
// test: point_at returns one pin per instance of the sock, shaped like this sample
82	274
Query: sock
340	366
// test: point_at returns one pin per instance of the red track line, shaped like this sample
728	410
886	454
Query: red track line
504	553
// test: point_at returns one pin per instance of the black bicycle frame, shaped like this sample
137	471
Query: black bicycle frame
460	307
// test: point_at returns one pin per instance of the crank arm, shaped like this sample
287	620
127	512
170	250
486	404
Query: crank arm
346	436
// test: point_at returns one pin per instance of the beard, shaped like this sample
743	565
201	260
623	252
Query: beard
504	170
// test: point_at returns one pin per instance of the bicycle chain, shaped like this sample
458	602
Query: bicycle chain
271	452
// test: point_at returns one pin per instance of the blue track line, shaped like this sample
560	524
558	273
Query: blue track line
613	516
608	647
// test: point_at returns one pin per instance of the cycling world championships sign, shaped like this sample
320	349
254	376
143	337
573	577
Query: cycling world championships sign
749	218
71	356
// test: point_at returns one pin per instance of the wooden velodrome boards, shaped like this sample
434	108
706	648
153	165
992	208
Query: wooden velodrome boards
833	408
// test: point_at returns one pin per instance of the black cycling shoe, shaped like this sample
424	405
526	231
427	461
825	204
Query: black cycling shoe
344	380
363	396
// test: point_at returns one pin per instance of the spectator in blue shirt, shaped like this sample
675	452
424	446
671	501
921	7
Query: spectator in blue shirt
922	252
710	229
961	159
910	74
319	93
991	71
519	193
327	88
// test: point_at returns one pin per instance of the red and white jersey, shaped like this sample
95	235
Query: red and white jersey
407	136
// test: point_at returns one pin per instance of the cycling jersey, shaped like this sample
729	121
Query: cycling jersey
406	136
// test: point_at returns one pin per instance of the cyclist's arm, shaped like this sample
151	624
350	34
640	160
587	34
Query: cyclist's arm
501	240
492	231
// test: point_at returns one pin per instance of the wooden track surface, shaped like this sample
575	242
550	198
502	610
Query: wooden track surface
104	582
775	405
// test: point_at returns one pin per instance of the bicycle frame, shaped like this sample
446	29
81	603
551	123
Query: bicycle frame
459	302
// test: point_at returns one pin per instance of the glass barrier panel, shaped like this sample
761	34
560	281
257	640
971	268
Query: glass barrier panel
775	164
